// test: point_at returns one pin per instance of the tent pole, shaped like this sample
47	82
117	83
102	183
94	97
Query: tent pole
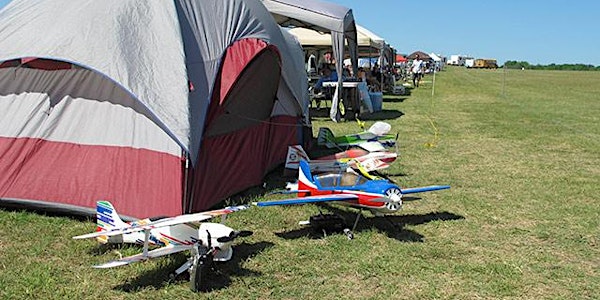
187	186
433	85
381	70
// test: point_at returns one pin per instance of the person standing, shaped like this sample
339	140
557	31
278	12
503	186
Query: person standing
417	71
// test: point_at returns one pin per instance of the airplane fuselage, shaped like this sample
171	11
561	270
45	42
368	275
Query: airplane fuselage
371	195
187	234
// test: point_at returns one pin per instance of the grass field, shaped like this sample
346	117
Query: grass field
520	149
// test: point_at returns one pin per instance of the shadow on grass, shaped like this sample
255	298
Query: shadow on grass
219	278
322	112
384	114
393	226
394	100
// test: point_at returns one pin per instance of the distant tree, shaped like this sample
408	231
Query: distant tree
513	64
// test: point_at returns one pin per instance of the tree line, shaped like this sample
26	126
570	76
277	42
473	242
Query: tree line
513	64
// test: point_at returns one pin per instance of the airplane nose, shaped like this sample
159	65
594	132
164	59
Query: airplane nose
395	195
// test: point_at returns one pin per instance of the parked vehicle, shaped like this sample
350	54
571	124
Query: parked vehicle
485	63
456	60
470	63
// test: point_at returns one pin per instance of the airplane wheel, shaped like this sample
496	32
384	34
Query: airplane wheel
349	234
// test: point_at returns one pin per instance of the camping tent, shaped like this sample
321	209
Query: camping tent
162	107
323	17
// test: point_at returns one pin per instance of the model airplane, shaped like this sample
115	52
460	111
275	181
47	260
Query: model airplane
367	157
207	242
348	188
377	132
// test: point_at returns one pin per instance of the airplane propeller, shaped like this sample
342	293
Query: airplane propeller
395	195
233	235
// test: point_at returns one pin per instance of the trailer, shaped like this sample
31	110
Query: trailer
470	63
485	63
456	60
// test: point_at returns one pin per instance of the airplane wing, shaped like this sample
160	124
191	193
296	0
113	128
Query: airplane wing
189	218
425	189
309	199
373	164
372	146
139	257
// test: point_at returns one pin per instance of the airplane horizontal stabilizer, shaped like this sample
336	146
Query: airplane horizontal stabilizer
425	189
139	257
310	199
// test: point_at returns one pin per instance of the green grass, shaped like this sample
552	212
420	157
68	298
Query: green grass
521	150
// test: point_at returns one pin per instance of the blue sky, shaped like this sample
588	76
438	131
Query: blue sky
536	31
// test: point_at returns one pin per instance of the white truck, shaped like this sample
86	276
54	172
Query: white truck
456	60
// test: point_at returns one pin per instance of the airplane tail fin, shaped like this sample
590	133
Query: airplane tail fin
326	137
305	178
294	155
107	218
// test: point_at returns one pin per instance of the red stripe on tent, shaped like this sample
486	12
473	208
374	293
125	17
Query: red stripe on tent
44	64
36	63
10	63
233	162
139	182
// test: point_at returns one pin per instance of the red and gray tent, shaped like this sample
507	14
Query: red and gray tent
162	107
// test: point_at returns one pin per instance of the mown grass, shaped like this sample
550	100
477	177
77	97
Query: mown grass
521	150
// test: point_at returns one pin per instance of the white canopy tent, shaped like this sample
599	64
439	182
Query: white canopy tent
369	44
322	17
366	36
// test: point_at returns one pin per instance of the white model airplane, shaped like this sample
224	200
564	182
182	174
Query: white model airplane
207	242
378	132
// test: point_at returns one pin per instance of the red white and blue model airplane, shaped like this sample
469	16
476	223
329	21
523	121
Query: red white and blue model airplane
380	196
207	241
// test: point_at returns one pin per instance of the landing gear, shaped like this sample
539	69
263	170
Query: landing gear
330	223
201	262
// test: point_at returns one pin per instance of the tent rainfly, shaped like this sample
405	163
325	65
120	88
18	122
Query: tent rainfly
162	107
323	17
